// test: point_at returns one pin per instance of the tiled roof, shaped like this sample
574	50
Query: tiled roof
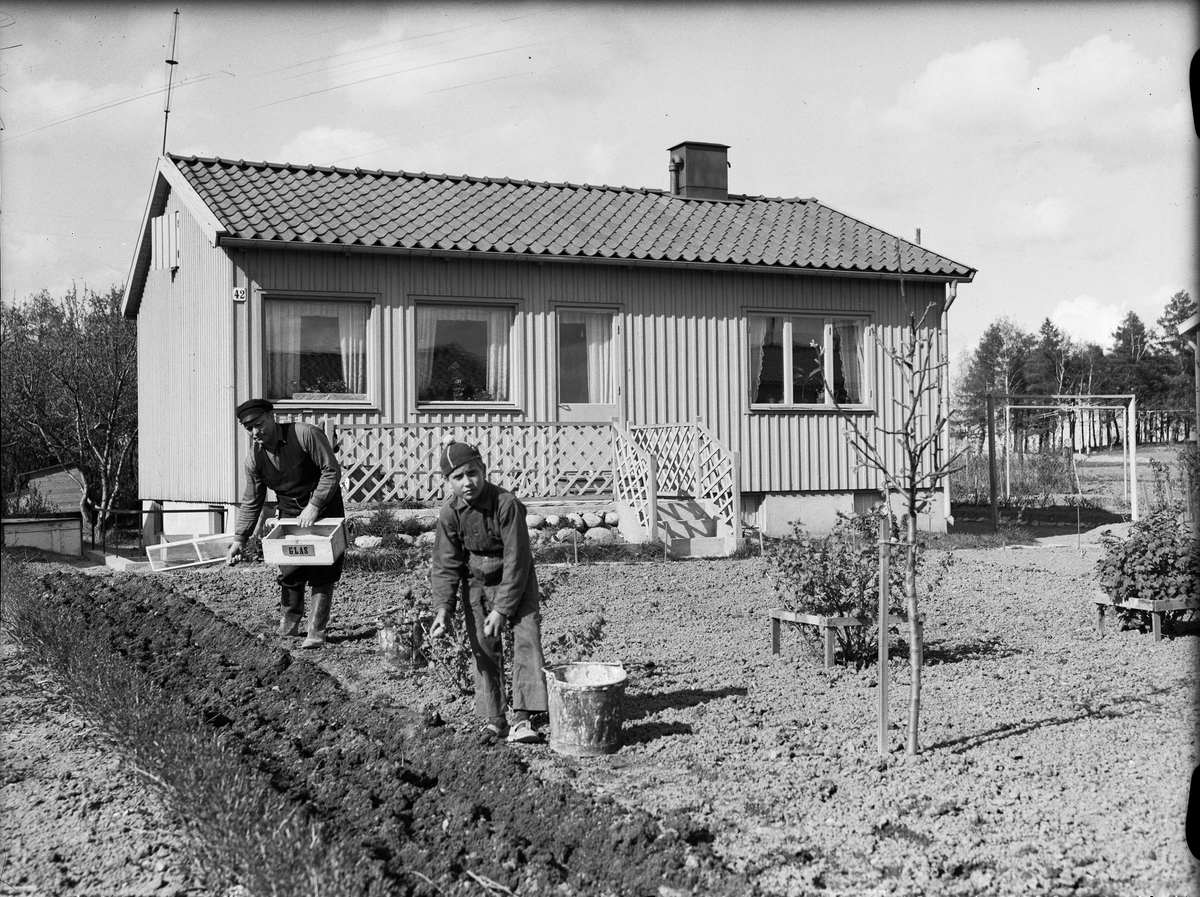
299	205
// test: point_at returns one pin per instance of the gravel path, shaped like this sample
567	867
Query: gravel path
1054	762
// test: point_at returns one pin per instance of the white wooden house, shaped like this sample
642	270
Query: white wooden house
625	344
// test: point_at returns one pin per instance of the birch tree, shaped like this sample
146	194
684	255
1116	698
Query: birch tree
70	384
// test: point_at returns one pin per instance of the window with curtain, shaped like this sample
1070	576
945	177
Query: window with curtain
316	349
807	360
585	357
463	353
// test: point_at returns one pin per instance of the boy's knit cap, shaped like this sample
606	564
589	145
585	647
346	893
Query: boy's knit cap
455	454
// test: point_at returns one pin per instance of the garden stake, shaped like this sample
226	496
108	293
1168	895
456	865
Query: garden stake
884	554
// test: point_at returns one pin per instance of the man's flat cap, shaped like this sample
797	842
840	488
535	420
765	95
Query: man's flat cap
251	405
456	454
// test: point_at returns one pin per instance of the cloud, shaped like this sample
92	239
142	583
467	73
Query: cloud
1100	96
1048	218
323	145
1090	320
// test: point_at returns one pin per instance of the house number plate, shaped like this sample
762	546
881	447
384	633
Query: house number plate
298	550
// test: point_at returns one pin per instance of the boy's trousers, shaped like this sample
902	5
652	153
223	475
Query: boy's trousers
528	681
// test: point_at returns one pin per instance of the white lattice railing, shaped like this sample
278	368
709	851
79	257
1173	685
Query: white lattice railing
635	483
548	460
398	462
693	462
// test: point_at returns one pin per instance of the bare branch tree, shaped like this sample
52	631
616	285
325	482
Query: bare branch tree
921	467
70	372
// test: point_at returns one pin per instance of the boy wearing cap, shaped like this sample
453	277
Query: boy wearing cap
482	537
296	461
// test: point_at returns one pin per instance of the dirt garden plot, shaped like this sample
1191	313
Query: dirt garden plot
1054	763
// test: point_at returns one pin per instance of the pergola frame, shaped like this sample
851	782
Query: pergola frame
1128	404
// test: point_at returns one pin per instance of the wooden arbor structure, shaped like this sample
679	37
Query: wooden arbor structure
1054	402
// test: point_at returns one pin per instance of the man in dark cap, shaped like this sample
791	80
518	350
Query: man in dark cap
296	461
482	536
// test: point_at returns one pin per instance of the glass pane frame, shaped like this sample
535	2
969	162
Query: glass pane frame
356	317
778	343
470	318
594	365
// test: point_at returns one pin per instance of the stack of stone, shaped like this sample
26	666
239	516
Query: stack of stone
586	527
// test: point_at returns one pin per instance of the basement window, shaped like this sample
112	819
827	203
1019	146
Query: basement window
464	353
316	350
807	361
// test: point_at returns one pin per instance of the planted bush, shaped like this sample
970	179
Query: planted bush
838	576
1159	560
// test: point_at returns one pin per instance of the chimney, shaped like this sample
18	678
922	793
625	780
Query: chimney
699	170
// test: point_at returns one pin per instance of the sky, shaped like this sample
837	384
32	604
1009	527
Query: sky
1050	146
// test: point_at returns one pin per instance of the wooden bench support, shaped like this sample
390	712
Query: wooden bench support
1155	608
828	626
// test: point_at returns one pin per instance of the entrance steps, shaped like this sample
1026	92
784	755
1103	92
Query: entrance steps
689	530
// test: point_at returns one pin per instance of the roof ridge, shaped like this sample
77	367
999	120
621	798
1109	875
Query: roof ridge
486	180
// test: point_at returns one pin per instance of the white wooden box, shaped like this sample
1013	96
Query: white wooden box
290	544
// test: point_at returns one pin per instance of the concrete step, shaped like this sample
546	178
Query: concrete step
706	547
684	518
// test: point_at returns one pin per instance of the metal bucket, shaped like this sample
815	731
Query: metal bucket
585	707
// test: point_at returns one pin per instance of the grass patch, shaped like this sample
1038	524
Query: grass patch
240	830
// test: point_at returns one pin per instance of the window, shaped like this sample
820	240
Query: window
585	357
807	360
316	349
463	353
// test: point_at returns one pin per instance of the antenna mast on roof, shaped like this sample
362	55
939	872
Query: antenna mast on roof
172	62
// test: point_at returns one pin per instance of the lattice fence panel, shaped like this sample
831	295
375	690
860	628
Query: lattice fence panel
383	463
633	478
674	447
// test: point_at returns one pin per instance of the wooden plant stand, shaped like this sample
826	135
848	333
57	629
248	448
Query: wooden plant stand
1155	607
829	625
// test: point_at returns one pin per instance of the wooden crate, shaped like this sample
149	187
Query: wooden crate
195	551
1154	607
828	625
291	545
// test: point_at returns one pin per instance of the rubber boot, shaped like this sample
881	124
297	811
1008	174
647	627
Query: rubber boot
291	603
318	616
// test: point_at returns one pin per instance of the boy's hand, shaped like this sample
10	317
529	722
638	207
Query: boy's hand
234	554
441	623
494	623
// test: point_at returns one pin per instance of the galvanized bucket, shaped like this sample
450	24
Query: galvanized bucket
585	707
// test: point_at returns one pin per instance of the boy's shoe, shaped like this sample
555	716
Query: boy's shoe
289	624
523	732
493	730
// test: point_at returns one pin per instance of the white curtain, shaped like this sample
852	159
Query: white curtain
283	343
282	348
498	322
352	337
757	326
853	357
597	335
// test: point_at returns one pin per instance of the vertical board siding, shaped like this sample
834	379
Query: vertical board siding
682	353
185	368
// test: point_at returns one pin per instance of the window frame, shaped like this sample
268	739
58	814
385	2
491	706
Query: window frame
827	319
374	346
614	336
516	355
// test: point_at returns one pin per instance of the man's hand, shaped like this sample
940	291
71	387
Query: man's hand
234	554
494	623
441	624
308	516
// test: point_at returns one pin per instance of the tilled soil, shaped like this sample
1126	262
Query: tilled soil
1054	762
